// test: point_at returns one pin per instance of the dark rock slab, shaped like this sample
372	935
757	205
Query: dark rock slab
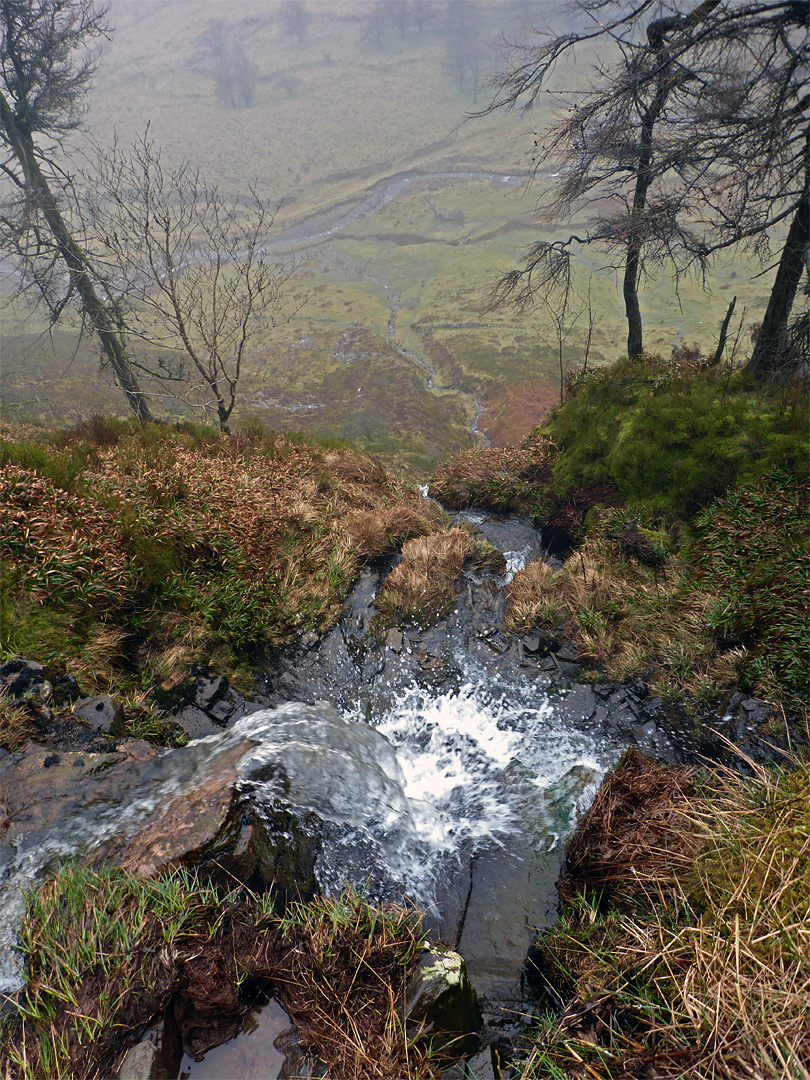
441	995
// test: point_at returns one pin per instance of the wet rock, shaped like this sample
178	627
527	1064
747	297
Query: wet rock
441	995
156	1056
104	714
393	640
223	710
478	1067
567	651
196	723
578	704
208	689
134	807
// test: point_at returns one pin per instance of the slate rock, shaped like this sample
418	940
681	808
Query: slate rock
223	710
103	713
208	689
196	723
21	678
567	651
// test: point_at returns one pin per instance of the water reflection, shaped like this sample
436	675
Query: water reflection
251	1055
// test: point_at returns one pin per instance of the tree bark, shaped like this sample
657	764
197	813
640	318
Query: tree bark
721	341
769	351
102	320
644	176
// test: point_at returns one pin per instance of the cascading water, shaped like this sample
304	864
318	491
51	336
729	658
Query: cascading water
437	785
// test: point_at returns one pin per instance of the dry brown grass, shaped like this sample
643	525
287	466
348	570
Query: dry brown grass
625	616
167	546
17	722
532	599
686	948
633	834
502	478
422	587
383	530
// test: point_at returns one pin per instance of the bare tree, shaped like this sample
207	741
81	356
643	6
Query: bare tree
422	13
691	142
399	12
372	28
46	67
562	321
464	44
193	275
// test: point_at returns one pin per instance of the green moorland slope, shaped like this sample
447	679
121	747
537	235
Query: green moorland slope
390	348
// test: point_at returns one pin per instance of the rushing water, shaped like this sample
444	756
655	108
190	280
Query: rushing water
426	784
406	801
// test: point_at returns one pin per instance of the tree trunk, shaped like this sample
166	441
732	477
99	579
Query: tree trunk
644	176
632	308
102	320
769	351
721	342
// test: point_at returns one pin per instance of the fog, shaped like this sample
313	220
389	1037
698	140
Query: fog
397	212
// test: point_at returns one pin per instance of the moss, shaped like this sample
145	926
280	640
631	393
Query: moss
31	630
671	437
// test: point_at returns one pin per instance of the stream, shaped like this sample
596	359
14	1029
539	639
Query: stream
325	223
439	766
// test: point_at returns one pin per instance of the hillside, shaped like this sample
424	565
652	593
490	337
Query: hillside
397	215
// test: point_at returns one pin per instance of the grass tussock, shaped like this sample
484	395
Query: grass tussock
683	948
107	953
501	478
422	587
384	530
628	611
128	551
345	968
732	608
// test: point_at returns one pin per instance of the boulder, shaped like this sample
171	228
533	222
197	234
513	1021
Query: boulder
24	678
441	995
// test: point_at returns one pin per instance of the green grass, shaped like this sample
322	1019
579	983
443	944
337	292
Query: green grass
753	554
106	952
673	437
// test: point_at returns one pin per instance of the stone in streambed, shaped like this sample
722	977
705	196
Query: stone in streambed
441	995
